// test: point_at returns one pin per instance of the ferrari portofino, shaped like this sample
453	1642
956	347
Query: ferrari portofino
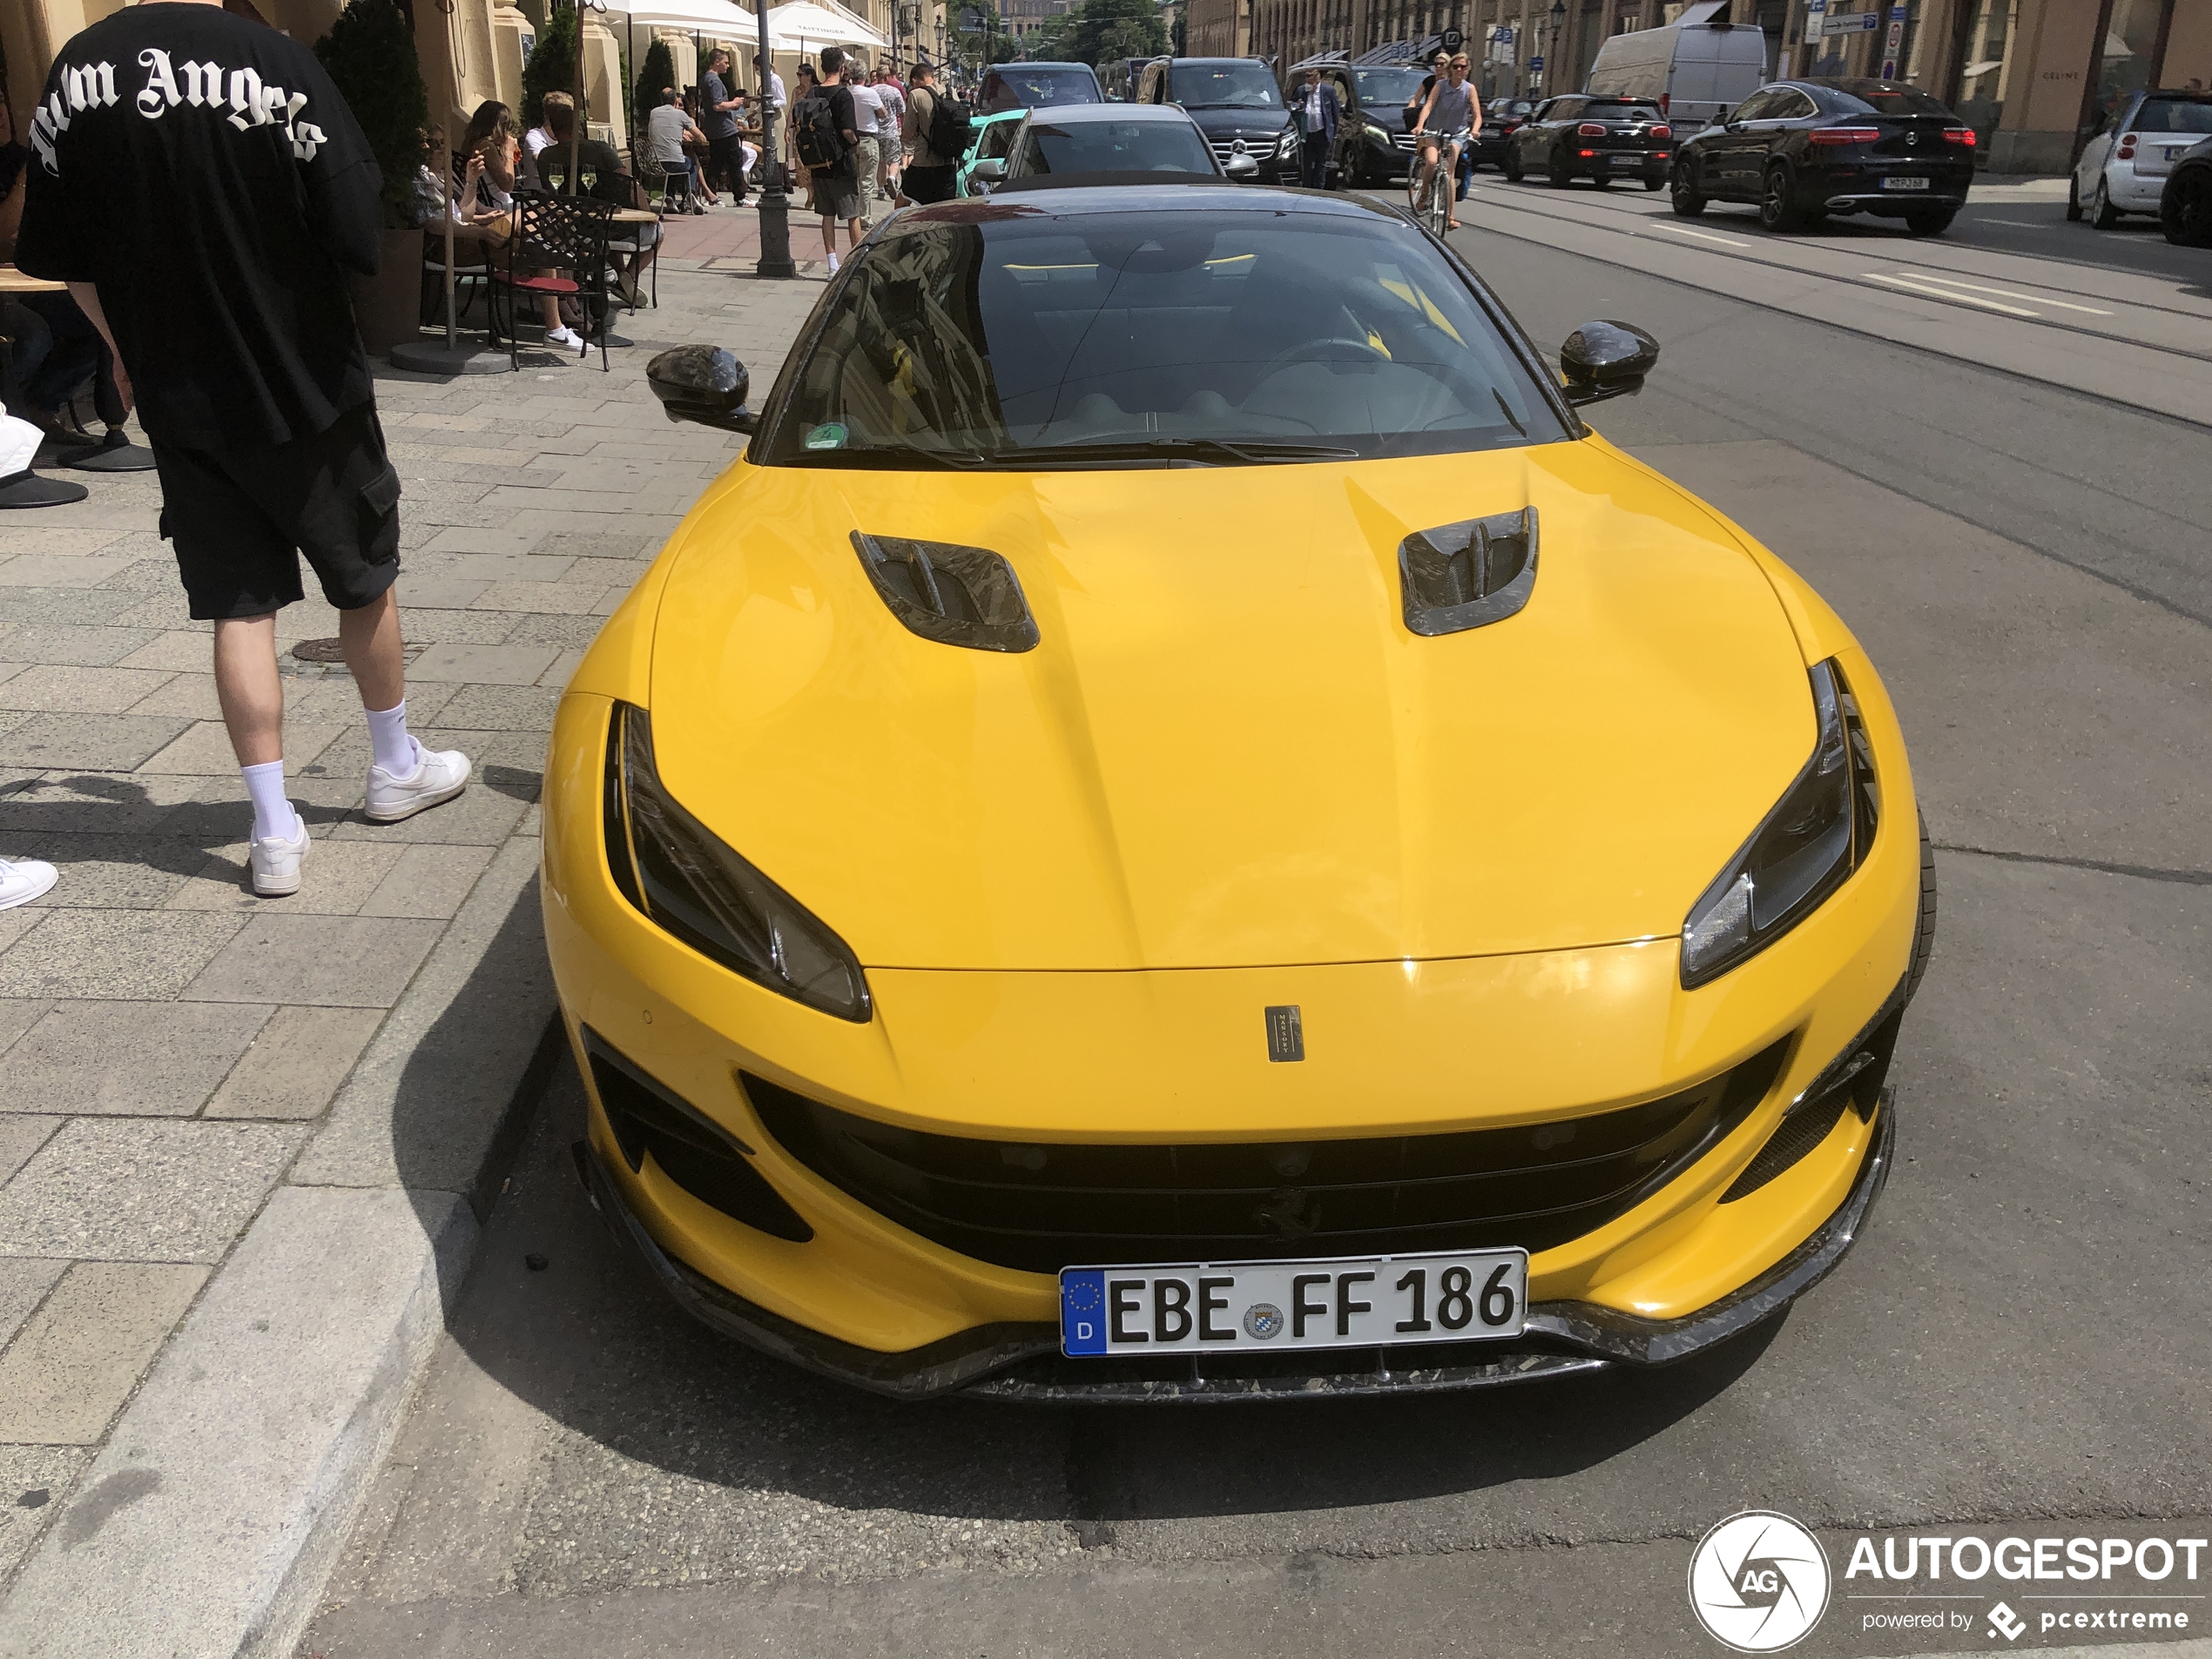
1179	827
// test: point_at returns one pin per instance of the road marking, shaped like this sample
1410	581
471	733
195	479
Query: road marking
1944	294
1703	236
2018	224
2033	299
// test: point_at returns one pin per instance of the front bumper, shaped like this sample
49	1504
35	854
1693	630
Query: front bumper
1022	1361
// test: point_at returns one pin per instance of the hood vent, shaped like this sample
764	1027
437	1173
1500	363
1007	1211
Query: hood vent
956	596
1470	574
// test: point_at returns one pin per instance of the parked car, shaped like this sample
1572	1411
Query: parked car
2185	205
1805	148
2124	165
1373	147
1237	105
1035	86
990	138
1501	117
1599	138
1109	144
914	793
1696	69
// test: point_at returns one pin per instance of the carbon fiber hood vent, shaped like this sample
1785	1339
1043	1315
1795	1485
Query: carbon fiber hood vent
1470	574
956	596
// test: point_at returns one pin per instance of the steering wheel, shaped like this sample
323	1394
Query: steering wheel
1305	349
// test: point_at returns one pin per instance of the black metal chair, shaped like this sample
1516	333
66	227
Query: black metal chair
554	233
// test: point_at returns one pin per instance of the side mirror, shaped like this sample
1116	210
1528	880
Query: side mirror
1241	168
702	383
989	170
1603	360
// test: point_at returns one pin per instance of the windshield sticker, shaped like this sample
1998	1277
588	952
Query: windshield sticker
829	435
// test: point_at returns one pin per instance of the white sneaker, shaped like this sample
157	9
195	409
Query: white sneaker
439	775
275	861
568	339
23	881
832	265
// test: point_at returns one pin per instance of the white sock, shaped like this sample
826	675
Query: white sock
274	818
394	751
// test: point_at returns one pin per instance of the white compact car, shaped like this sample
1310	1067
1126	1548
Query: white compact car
2124	166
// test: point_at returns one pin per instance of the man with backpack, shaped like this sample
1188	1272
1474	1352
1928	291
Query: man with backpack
823	128
934	133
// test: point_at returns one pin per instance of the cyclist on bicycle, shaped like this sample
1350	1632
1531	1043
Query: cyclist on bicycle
1449	118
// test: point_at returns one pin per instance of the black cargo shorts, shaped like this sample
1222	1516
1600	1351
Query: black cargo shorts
238	518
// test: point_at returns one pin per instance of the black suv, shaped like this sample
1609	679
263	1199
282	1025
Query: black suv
1580	137
1374	144
1237	105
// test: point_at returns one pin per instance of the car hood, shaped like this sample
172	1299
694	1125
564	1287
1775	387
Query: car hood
1227	749
1256	127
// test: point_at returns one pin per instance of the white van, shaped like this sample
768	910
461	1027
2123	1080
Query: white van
1694	68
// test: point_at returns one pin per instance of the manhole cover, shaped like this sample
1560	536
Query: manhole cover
320	651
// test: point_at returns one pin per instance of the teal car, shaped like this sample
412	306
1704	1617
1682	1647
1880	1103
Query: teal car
990	138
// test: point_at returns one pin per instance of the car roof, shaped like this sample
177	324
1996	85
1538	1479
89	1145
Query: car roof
1041	63
1212	60
1066	114
1194	196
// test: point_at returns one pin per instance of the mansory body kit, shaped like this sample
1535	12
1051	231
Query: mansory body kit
1179	827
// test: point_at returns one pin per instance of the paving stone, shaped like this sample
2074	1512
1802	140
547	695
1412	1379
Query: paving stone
501	708
182	649
19	1137
14	924
151	1189
508	567
430	880
35	1482
432	628
40	538
24	1281
547	629
556	677
52	688
59	570
60	803
593	545
336	880
17	1015
327	961
90	646
568	598
438	593
471	664
130	1059
102	742
117	871
78	1358
144	954
296	1063
204	748
142	576
188	696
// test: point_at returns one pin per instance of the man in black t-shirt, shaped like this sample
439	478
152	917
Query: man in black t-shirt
837	189
201	187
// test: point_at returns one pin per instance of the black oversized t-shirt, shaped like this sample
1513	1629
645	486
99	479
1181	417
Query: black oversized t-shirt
202	173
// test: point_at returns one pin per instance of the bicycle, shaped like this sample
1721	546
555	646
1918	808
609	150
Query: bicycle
1438	195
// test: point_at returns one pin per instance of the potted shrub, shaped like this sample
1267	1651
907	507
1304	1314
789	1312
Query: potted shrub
369	53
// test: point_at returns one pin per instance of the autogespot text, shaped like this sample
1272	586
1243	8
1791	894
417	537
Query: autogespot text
2136	1575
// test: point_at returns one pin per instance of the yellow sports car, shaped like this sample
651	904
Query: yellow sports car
1180	828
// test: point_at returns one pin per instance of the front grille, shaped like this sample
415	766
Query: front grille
1223	151
1854	1081
1402	140
1042	1206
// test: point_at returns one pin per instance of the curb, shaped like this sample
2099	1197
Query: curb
209	1523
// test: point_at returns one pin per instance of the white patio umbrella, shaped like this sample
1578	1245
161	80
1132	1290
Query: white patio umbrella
794	26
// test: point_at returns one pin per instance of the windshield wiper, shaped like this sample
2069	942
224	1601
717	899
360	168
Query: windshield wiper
895	456
1211	451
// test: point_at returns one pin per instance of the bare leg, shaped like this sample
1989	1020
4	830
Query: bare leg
247	687
370	637
829	238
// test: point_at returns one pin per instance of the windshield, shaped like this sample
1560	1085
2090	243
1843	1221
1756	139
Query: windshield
1225	86
1603	109
1376	86
1034	88
2173	115
1115	146
1887	97
993	334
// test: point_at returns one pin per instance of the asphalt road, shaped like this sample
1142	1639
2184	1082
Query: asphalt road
2021	1341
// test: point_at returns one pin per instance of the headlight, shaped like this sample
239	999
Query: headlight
1380	135
675	870
1287	144
1818	833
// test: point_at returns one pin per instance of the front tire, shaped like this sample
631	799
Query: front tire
1923	926
1687	200
1778	209
1509	164
2072	200
2102	214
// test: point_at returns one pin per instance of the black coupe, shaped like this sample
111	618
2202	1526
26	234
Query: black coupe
1805	148
1577	136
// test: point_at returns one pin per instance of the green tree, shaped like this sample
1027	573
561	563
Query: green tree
659	71
552	66
369	54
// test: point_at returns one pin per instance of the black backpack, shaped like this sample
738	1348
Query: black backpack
813	130
950	125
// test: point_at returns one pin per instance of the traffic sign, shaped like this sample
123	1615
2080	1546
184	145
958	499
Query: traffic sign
1863	22
1503	33
1535	63
1816	14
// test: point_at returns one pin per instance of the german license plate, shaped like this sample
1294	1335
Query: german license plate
1904	183
1345	1302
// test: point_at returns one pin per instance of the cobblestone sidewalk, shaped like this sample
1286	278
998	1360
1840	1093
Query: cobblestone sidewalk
175	1050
